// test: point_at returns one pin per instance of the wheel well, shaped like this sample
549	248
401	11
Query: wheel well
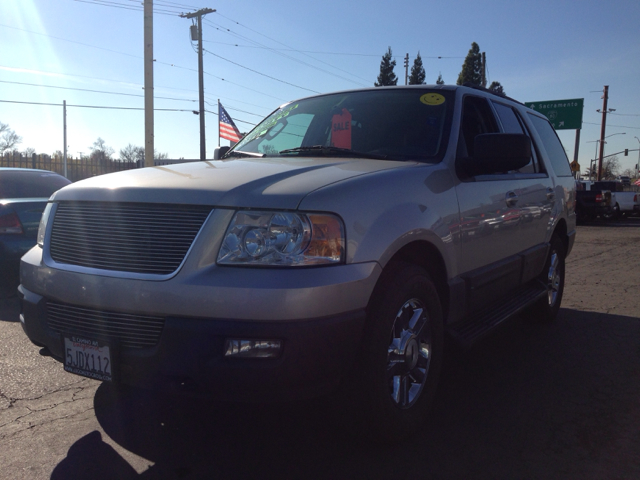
561	232
427	256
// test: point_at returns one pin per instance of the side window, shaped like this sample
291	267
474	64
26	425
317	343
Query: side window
511	123
552	145
477	118
508	119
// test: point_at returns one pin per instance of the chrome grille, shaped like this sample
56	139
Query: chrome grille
132	331
126	237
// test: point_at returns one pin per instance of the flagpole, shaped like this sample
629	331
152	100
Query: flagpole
218	122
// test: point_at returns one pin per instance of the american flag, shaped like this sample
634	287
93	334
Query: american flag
228	129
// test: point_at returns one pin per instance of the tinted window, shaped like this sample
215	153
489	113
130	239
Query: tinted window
511	123
477	118
552	145
508	118
25	184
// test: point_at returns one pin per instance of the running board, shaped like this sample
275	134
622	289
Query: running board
471	329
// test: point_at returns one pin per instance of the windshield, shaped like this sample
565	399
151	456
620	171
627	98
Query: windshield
395	124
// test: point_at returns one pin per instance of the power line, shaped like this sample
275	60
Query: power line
138	86
42	72
234	109
169	4
288	46
107	3
105	107
95	91
433	57
97	106
229	32
293	50
130	55
608	125
71	41
260	73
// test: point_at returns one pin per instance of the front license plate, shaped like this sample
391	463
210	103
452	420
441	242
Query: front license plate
88	357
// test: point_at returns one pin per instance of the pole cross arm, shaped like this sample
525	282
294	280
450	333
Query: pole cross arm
202	11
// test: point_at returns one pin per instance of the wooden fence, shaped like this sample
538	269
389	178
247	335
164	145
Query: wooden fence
77	168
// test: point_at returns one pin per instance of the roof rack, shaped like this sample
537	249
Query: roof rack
486	90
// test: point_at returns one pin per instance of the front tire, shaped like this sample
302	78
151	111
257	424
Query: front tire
402	355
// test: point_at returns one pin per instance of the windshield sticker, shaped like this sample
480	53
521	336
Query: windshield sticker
341	129
432	99
270	124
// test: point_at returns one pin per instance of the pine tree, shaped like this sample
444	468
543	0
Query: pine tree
417	72
497	88
387	77
440	81
472	67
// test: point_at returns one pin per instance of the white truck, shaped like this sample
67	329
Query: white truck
624	200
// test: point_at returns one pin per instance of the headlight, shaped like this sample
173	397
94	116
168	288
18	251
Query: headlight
282	239
43	224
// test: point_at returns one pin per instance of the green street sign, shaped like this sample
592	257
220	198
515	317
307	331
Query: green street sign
563	114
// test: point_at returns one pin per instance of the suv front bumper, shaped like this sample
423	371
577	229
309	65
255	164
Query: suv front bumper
189	356
317	313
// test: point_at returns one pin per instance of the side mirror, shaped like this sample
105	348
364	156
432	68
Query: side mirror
219	152
498	153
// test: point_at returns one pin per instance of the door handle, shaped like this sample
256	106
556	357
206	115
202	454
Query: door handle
511	198
550	193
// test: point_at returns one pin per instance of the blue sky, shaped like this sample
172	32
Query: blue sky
538	50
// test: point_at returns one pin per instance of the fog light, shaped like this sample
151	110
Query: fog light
238	348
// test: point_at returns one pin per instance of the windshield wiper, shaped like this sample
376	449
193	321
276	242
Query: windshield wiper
328	151
240	153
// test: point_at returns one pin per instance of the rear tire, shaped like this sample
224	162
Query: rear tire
546	309
402	353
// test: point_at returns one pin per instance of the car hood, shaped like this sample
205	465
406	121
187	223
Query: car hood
262	183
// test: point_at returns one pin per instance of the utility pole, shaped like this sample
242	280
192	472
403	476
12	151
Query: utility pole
484	70
406	69
602	129
198	15
64	135
149	146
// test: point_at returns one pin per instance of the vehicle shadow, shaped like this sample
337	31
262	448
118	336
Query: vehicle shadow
9	302
629	222
530	401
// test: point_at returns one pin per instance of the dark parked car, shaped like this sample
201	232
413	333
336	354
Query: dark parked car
23	197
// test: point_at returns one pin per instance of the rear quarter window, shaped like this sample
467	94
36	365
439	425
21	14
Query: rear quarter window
552	145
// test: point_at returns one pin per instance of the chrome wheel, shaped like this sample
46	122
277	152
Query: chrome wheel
554	278
409	353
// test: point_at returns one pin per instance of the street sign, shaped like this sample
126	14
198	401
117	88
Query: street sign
575	166
563	114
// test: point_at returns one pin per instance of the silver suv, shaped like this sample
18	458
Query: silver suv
335	245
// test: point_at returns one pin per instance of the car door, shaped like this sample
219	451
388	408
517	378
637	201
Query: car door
503	249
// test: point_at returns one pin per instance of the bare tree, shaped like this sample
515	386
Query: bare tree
132	153
28	152
100	151
610	168
629	172
8	138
